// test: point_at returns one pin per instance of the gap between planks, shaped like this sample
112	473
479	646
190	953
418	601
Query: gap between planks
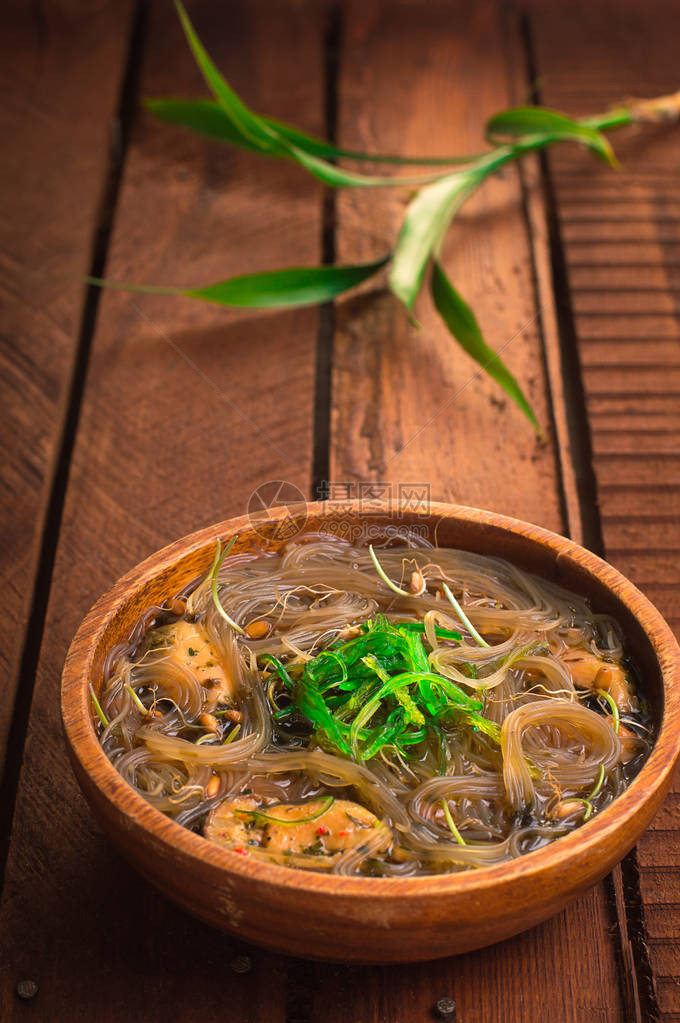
321	435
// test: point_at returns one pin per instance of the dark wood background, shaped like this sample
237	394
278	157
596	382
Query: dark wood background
130	420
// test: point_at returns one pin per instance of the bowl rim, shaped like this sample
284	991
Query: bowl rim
653	776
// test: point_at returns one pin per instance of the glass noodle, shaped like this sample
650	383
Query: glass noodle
515	721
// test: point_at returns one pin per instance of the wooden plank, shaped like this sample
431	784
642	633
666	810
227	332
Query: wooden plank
623	380
630	534
621	230
51	179
598	353
658	469
659	851
649	565
656	424
663	922
624	287
187	409
668	816
606	325
390	380
631	210
632	254
667	954
607	282
667	894
667	989
644	407
641	302
515	980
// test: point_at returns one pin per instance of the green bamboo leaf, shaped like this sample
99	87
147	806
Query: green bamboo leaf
254	132
461	322
336	177
556	127
427	219
249	126
292	287
317	147
273	289
207	117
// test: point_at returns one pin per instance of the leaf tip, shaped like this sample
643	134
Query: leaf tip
606	151
405	295
540	433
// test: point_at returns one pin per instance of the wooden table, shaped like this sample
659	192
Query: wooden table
130	420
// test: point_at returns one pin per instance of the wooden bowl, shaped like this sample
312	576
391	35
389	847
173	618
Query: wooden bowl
358	918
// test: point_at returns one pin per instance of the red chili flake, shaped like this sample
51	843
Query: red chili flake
322	830
343	834
241	852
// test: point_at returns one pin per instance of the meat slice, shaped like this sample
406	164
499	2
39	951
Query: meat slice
588	671
188	644
312	834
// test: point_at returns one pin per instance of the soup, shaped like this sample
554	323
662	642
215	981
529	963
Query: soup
392	712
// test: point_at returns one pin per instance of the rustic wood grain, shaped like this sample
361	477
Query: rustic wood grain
55	157
621	240
181	399
390	380
150	442
408	404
